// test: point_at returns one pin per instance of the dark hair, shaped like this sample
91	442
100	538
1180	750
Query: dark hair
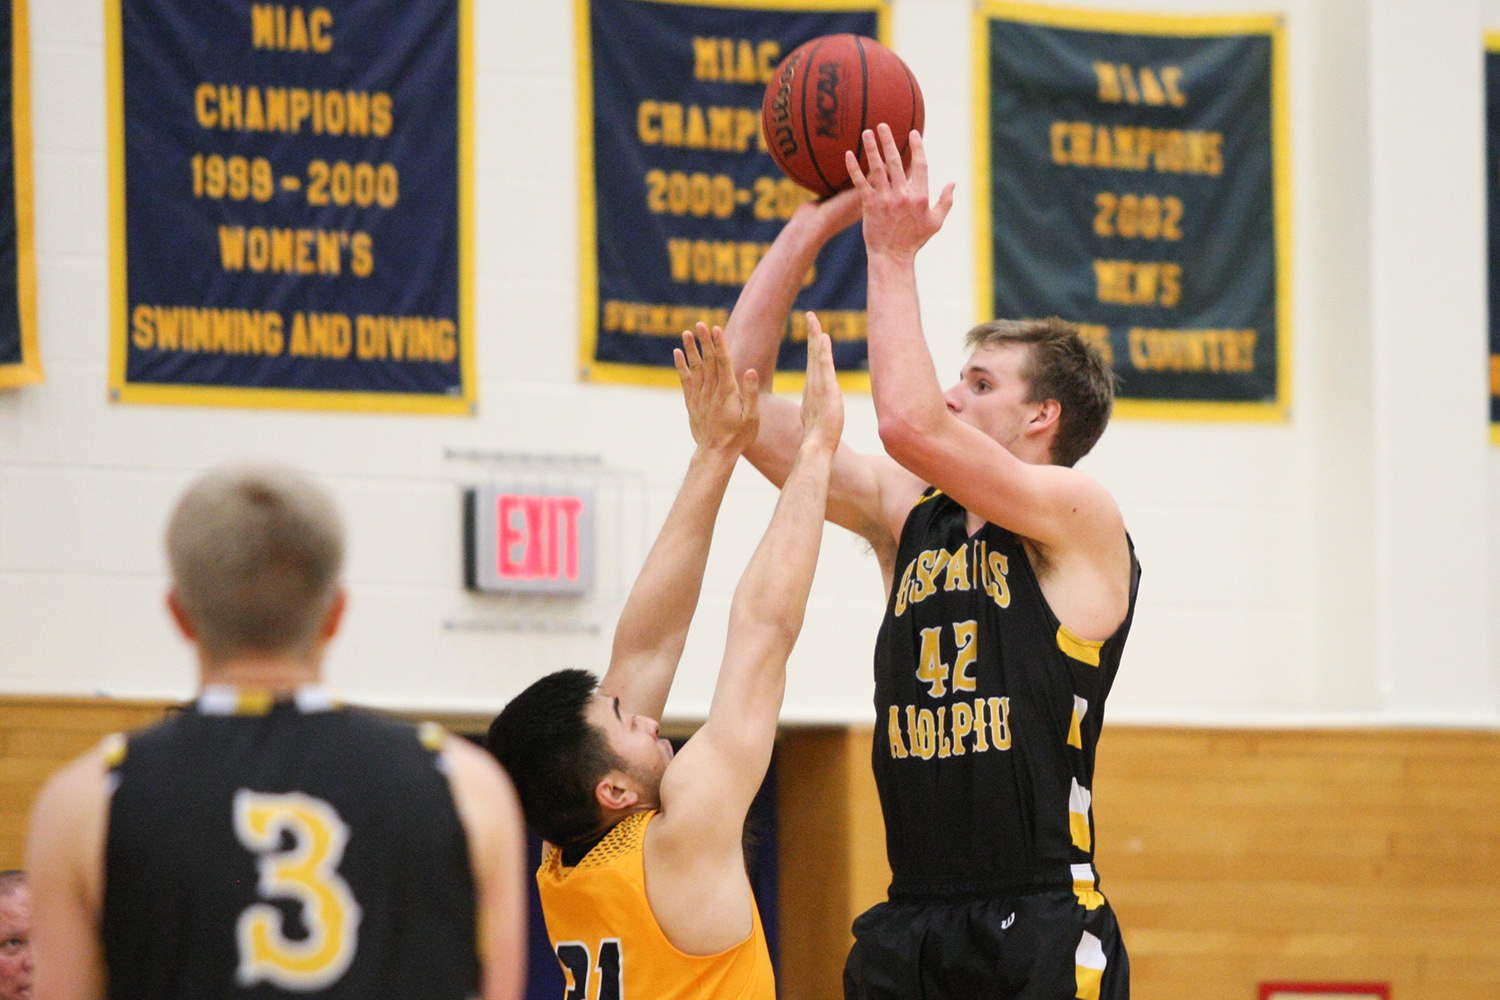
1062	365
554	756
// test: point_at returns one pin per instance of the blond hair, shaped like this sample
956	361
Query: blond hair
255	553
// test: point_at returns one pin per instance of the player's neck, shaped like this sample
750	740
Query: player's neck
278	675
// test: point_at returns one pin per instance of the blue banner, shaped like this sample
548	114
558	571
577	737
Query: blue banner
1134	173
1492	197
20	361
290	204
681	197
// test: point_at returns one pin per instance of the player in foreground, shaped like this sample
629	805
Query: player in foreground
643	880
1012	583
264	840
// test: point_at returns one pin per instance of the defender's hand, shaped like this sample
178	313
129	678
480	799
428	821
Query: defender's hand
722	412
822	399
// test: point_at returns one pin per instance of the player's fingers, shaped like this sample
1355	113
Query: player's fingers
690	347
861	184
890	154
815	340
822	381
877	175
723	366
944	203
918	160
682	369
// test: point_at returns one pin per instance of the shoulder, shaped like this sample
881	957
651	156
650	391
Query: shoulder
84	780
482	793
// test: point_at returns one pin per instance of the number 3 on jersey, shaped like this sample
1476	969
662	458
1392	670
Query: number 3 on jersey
574	956
306	873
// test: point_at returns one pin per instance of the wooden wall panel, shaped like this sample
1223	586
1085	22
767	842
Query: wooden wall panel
832	854
1233	857
1236	857
39	735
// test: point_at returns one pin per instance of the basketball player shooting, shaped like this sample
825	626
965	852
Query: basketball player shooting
643	882
1012	583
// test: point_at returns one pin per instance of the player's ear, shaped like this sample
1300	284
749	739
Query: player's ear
1048	413
179	615
614	792
335	615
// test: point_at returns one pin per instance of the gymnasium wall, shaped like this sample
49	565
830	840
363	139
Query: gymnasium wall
1340	566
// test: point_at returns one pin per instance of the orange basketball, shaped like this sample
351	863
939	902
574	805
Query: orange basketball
822	98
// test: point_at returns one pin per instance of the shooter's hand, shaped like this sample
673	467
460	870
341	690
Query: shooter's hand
827	217
898	217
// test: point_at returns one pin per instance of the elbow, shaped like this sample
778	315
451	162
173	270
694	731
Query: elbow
767	637
904	439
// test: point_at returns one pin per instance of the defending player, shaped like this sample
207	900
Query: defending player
265	841
1012	583
643	881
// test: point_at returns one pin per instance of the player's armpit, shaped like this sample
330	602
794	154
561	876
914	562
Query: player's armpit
695	865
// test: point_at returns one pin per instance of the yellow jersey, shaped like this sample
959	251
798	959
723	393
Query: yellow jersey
607	939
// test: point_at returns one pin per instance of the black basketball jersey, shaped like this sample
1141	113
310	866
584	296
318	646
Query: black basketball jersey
988	715
263	849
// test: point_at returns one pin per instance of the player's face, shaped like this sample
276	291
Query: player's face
15	945
991	394
636	740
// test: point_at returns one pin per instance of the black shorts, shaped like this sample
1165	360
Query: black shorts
1038	946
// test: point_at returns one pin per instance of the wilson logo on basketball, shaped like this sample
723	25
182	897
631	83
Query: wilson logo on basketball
779	131
828	100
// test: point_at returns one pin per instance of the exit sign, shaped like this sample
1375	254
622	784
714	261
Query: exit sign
528	541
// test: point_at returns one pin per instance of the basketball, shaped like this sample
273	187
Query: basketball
822	98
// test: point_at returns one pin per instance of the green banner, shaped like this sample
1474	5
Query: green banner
1133	174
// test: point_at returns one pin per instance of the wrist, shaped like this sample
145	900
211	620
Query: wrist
888	260
717	454
807	232
816	447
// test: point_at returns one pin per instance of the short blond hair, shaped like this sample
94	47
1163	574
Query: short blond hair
255	553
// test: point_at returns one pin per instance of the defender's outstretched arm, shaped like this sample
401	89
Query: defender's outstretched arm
652	630
708	787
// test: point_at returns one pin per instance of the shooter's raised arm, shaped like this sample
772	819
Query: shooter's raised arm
868	494
994	458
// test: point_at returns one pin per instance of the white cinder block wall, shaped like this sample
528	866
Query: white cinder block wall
1341	566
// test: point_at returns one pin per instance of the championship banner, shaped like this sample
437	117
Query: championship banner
1133	178
291	216
20	360
680	197
1492	197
